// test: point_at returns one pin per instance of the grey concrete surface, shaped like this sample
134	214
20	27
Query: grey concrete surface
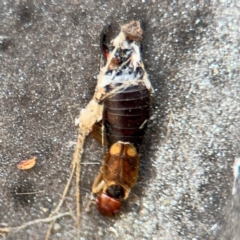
49	61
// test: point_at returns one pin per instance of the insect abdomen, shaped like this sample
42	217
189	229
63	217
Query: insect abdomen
125	115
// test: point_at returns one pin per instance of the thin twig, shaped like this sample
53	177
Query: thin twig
71	211
89	203
90	163
171	119
77	166
36	221
65	191
78	169
29	193
49	230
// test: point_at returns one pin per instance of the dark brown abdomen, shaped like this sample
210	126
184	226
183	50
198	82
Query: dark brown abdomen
125	114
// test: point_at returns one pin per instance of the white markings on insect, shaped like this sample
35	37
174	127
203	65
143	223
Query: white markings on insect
143	124
93	112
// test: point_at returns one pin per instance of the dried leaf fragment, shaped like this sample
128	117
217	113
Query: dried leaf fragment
27	164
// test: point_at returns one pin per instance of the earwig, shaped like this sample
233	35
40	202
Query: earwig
120	106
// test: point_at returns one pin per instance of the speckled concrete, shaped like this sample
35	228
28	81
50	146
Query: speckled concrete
49	61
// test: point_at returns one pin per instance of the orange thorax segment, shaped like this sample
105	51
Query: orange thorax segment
121	166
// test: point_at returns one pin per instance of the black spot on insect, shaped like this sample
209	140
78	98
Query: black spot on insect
108	73
115	191
130	71
119	73
139	72
108	33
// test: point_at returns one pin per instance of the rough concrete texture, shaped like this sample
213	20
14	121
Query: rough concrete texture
49	61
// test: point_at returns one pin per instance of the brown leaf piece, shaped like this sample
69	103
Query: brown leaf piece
27	164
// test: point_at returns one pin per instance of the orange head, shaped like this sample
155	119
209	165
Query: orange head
109	203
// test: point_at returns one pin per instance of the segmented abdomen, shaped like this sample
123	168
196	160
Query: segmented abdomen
125	115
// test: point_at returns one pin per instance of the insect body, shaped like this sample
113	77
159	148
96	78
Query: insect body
121	105
125	115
